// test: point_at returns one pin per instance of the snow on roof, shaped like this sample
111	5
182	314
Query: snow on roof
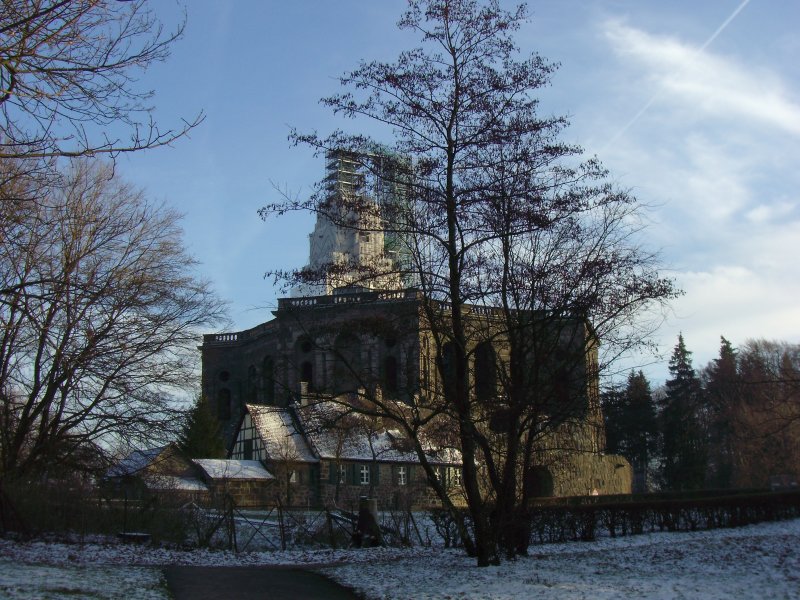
174	483
135	462
277	429
217	468
335	434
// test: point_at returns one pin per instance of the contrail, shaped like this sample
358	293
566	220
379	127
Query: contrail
655	96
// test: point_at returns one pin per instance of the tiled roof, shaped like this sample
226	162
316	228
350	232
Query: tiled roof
135	462
281	438
165	483
233	469
334	434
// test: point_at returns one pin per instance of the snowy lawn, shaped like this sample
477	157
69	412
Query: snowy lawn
760	561
106	582
756	562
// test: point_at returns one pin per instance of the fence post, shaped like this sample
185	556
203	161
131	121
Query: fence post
281	528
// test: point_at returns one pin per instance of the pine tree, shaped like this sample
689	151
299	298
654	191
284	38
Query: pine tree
631	425
683	431
723	394
642	427
613	401
202	436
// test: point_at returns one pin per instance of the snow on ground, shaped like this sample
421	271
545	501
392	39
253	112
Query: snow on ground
760	561
756	562
106	582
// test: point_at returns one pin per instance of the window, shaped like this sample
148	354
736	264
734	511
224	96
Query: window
390	375
364	475
342	473
307	373
448	368
485	373
293	476
247	451
347	368
224	404
455	477
402	478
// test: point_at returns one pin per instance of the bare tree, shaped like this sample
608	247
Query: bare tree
756	404
100	311
516	243
68	71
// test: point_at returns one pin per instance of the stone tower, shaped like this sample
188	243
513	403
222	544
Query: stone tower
347	246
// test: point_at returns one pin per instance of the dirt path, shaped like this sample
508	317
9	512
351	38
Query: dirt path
244	583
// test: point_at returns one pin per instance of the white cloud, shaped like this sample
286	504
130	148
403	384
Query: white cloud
737	302
771	213
713	85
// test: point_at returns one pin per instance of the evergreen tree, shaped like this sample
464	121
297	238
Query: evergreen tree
723	395
683	431
202	436
613	402
642	427
631	425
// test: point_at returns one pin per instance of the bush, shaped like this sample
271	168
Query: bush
580	518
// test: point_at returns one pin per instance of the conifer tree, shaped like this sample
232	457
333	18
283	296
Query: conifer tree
201	436
642	427
684	439
723	394
614	407
631	425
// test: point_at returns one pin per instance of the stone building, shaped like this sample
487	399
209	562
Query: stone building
346	336
167	475
321	455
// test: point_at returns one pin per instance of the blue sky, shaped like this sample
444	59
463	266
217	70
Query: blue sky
693	106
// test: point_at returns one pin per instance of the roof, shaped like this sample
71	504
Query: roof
333	432
135	462
277	429
217	468
174	483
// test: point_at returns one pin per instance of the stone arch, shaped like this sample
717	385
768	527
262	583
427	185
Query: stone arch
304	359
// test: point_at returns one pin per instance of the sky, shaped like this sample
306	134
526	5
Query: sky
694	107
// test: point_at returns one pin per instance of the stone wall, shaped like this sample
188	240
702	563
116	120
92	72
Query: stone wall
243	492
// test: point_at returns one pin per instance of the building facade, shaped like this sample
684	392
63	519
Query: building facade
351	336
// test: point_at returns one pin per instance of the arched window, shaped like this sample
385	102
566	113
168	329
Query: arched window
347	366
449	368
304	355
307	373
224	404
268	380
390	383
485	372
